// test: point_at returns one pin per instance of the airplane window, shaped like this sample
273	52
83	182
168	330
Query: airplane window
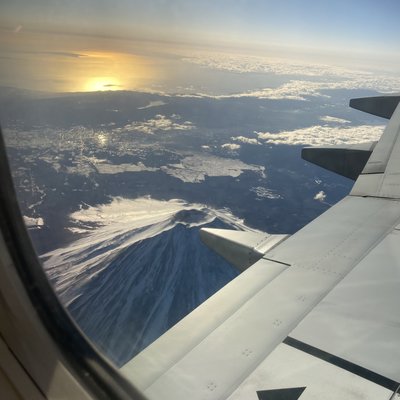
129	126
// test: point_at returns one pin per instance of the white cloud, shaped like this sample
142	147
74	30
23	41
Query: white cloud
230	146
33	223
320	196
314	77
293	90
80	166
265	193
301	89
320	135
328	118
156	103
244	139
87	166
255	64
195	168
106	168
158	123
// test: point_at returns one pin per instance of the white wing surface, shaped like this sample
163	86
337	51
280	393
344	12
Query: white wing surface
316	317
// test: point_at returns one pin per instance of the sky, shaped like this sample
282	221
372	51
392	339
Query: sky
101	45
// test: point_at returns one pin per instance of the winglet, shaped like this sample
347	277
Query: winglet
350	160
381	106
347	160
240	248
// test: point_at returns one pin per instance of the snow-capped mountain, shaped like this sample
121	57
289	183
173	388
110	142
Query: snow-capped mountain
139	268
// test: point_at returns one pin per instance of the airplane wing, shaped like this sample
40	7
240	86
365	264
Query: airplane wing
316	317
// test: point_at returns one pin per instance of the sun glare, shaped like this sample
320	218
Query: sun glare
102	71
102	83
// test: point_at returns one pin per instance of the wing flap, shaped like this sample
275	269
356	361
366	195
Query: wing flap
240	248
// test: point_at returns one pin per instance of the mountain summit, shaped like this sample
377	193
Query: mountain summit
137	274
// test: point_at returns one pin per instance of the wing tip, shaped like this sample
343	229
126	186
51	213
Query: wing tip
381	106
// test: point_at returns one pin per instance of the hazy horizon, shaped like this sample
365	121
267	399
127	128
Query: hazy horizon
181	47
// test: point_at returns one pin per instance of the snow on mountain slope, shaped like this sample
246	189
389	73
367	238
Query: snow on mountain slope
139	269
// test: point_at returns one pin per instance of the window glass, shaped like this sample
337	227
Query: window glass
131	125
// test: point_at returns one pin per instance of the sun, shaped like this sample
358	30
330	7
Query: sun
102	83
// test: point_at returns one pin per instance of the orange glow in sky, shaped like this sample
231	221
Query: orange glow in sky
101	83
72	64
99	71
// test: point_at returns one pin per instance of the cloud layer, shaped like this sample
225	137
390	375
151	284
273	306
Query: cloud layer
230	146
320	135
160	123
244	139
195	168
334	120
303	79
